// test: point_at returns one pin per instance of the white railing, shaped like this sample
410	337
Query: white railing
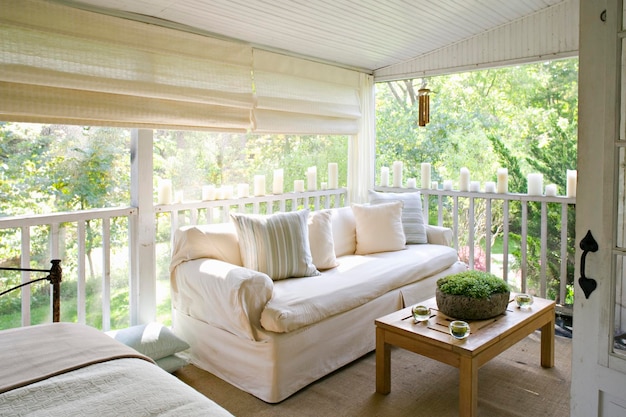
472	216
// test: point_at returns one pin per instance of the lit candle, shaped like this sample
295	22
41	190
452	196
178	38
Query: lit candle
447	185
219	193
333	176
474	186
397	174
277	185
411	183
425	174
208	192
311	178
464	181
503	180
572	178
384	177
259	185
490	187
535	184
434	185
243	190
551	190
298	186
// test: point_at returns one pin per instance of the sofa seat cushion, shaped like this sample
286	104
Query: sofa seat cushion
357	280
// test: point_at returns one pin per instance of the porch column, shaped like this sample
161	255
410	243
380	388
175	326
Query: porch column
142	230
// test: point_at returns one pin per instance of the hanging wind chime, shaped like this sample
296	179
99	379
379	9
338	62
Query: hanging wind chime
424	105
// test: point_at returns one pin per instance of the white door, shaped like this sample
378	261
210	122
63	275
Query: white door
599	339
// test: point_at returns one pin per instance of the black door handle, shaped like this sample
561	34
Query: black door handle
587	244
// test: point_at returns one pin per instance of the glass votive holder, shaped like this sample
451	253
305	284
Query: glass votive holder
420	313
524	301
459	329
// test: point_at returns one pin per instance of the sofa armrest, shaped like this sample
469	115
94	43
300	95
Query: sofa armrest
227	296
439	235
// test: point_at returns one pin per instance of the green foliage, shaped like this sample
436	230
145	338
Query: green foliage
472	283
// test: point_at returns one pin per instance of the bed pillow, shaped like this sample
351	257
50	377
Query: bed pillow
379	227
154	340
321	240
276	244
412	215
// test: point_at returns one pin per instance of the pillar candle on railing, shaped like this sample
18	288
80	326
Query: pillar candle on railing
298	186
229	191
474	186
490	187
447	185
572	178
551	190
464	180
259	185
434	185
178	197
535	184
311	178
208	192
243	190
333	176
277	185
384	177
503	180
397	174
323	186
164	192
425	175
219	193
411	183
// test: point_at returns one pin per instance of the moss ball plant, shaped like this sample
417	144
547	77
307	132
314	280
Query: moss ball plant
472	295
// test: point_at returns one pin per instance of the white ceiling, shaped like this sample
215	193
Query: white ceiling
362	34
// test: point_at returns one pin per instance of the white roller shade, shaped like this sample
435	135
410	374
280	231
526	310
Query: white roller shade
61	64
298	96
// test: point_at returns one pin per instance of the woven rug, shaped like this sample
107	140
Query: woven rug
511	385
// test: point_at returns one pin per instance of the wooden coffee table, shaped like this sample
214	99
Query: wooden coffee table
488	338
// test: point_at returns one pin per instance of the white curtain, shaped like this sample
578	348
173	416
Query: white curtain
362	147
65	65
299	96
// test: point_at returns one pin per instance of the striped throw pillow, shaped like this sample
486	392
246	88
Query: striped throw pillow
412	216
275	244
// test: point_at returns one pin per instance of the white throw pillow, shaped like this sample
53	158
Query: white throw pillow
379	228
344	231
412	215
276	244
321	240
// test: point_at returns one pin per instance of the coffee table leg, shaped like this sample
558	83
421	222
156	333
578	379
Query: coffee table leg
468	388
547	343
383	363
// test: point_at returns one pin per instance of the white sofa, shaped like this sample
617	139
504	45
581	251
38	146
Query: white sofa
271	337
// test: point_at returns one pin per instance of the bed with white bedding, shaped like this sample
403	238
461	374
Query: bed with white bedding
68	369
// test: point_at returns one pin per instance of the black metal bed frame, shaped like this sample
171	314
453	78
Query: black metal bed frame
55	276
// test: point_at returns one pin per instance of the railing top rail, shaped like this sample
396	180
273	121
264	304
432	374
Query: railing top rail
11	222
479	194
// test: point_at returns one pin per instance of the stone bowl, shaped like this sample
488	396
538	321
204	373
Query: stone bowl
467	308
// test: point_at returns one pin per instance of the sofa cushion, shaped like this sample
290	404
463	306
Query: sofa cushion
321	239
379	227
412	215
358	279
344	231
275	244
